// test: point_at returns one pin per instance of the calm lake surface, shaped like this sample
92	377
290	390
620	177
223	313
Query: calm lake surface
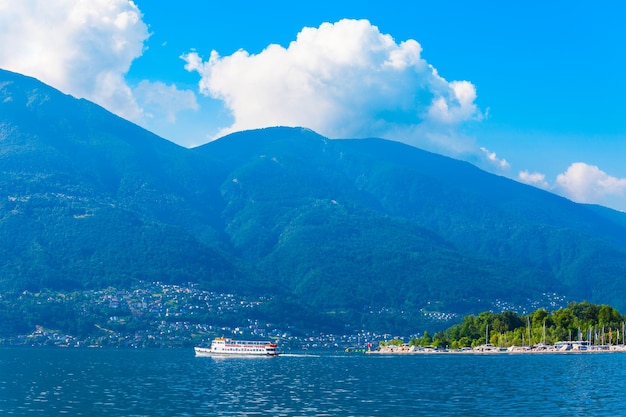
170	382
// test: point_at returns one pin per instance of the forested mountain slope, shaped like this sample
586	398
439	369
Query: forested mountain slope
341	227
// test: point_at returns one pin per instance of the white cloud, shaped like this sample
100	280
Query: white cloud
464	109
582	183
493	158
343	80
533	178
585	183
83	48
158	98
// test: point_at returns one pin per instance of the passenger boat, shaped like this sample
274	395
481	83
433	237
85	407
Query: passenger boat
222	346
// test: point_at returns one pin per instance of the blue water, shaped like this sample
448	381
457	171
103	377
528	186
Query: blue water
169	382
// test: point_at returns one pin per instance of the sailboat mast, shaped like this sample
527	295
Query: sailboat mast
487	334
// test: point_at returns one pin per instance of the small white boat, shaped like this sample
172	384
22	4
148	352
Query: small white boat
222	346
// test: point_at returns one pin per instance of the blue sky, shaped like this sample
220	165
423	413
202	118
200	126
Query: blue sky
531	90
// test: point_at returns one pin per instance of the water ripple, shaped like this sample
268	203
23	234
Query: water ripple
43	382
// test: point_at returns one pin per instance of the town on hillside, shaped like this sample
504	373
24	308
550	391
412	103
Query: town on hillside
159	315
154	314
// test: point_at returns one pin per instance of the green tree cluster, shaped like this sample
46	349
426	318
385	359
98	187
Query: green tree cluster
598	324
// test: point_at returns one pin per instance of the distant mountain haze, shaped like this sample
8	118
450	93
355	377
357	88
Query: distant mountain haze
343	228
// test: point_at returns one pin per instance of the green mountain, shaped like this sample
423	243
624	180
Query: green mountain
365	233
89	199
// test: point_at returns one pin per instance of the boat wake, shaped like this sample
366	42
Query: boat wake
299	355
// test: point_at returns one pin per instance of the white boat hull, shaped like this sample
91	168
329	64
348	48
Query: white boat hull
229	347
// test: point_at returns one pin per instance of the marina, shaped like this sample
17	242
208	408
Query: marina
559	347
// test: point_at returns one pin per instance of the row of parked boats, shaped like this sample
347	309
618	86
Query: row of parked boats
559	347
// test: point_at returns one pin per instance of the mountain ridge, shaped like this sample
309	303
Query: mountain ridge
340	226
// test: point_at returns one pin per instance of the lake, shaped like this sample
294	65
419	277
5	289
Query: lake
173	382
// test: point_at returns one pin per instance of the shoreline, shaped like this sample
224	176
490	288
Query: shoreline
491	350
